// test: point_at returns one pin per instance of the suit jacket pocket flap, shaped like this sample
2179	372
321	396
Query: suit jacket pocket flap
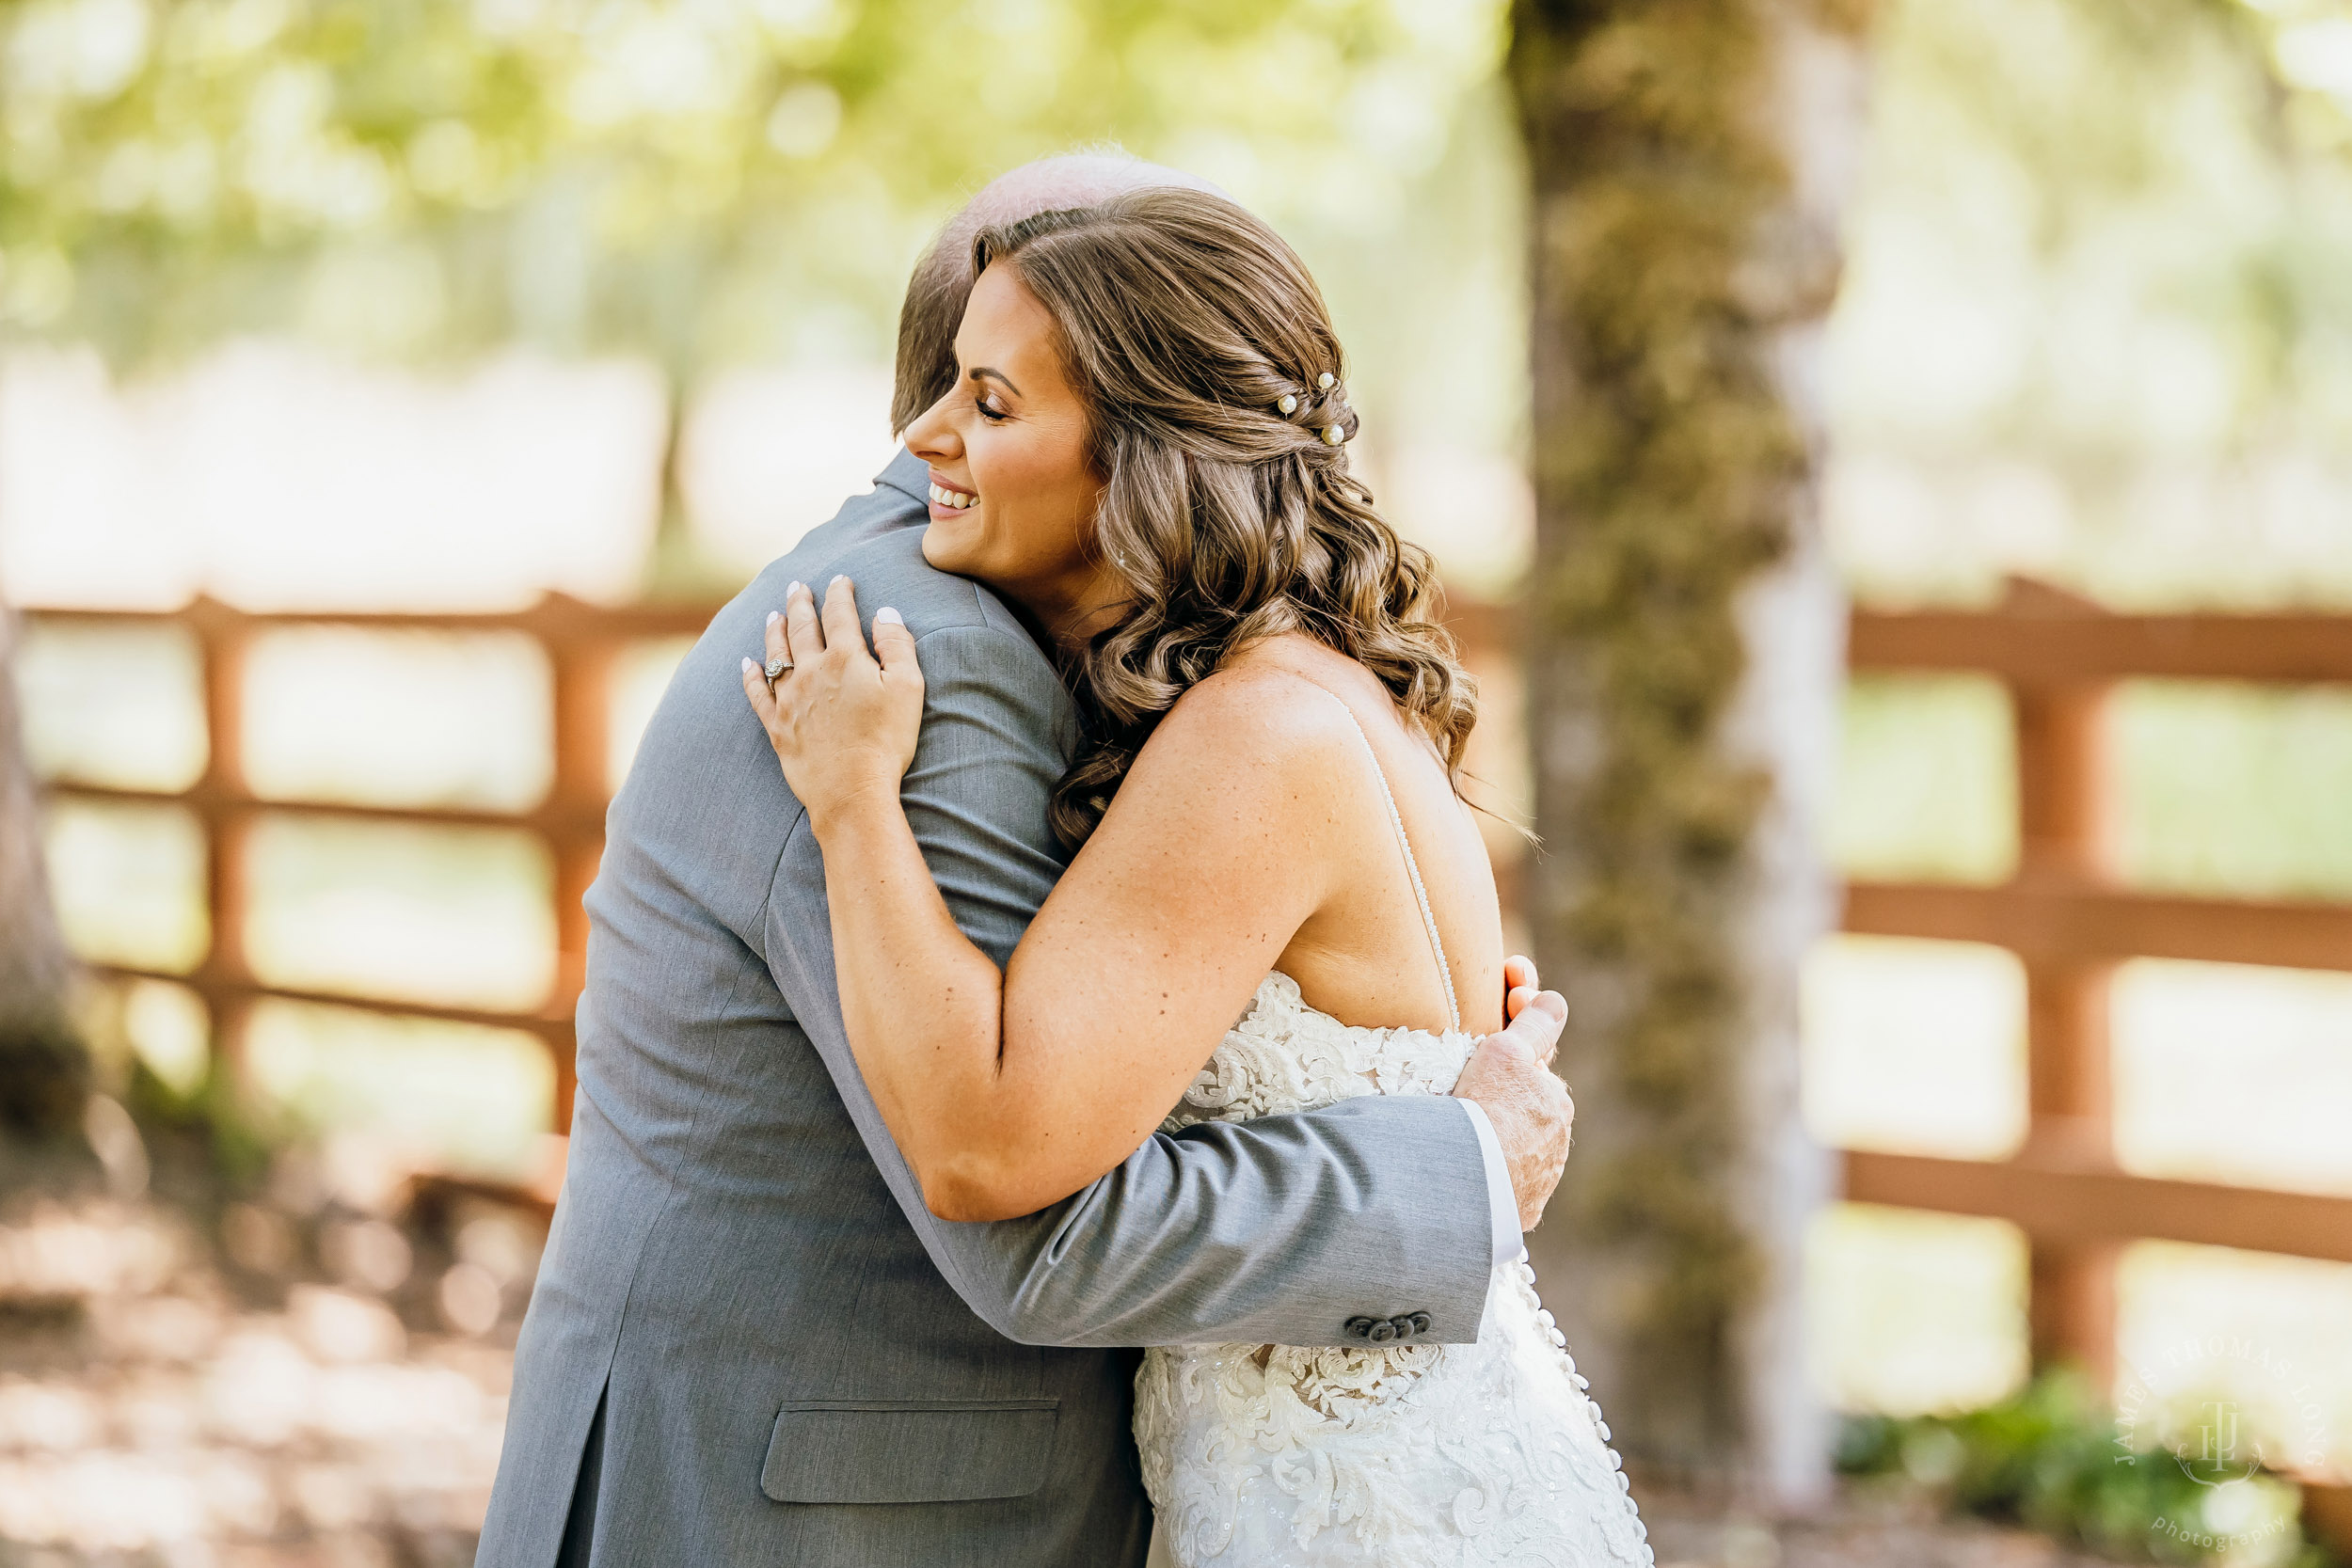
908	1450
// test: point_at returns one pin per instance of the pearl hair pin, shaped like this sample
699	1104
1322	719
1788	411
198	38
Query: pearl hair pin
1289	404
1324	380
1333	435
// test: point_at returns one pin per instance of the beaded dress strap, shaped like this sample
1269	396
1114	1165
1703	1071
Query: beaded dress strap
1412	869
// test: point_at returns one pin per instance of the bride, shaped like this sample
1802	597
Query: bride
1144	453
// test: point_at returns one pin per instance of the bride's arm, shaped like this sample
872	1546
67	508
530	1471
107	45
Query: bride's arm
1006	1092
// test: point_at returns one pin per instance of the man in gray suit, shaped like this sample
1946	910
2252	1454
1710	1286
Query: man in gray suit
750	1342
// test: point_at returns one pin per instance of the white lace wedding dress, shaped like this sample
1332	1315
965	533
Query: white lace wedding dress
1423	1454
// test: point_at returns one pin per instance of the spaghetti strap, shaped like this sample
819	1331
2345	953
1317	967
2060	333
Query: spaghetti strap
1412	867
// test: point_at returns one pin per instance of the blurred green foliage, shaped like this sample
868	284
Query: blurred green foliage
2158	161
2097	324
2049	1457
215	1121
698	181
1927	786
2233	790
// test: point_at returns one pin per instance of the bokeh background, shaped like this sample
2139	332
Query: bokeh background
438	309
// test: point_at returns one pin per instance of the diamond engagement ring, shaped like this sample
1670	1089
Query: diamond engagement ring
776	667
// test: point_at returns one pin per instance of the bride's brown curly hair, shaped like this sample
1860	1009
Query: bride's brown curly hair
1184	324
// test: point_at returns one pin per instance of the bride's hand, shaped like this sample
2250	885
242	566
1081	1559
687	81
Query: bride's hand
843	722
1520	985
1510	1075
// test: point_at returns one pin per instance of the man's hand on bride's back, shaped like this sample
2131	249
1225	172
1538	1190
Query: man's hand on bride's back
1510	1076
843	721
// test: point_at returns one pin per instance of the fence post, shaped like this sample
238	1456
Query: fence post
224	978
2062	793
583	666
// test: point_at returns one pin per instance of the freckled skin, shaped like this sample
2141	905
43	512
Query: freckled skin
1250	835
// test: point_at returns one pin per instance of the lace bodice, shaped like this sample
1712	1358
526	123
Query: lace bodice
1284	1056
1307	1455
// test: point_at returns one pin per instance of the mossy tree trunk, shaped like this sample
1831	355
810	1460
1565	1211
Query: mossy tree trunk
44	1075
1688	160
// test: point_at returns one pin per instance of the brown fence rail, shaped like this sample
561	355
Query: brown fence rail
2071	923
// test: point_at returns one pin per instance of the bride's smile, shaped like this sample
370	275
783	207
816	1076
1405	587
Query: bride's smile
1014	491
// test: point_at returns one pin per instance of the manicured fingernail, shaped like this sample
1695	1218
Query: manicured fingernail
838	578
775	615
749	667
795	586
886	613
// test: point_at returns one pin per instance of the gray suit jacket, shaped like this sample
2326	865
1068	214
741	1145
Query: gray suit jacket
798	1362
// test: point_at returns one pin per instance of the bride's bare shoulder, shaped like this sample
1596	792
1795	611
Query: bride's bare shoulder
1256	710
1245	778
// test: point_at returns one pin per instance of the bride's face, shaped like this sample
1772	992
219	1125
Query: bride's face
1013	497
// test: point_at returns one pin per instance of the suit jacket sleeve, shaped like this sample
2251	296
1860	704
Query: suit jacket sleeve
1276	1230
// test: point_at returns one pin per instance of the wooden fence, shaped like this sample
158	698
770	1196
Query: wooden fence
2062	913
2070	923
581	642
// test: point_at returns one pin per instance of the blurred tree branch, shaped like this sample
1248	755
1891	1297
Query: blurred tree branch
677	180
